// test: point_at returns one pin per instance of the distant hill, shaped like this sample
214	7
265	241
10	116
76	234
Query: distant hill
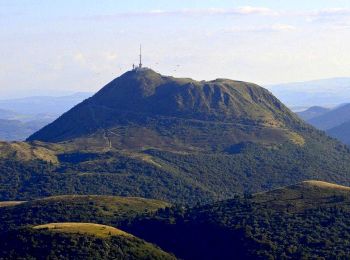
43	105
336	121
20	118
332	118
15	130
312	112
341	132
7	114
326	92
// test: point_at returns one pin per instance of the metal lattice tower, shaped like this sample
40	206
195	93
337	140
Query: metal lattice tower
140	64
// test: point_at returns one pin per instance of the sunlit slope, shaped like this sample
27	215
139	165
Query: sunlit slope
97	209
76	241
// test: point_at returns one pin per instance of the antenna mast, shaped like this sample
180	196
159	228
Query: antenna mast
140	65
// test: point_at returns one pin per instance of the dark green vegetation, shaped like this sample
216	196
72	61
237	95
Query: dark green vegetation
177	140
71	235
29	243
309	220
96	209
306	221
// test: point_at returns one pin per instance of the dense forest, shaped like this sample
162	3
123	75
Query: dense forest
243	229
184	178
305	221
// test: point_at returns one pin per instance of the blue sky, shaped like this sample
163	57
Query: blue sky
58	47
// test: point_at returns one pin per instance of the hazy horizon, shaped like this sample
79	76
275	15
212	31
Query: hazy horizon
67	47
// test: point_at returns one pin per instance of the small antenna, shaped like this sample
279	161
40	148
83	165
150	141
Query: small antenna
140	65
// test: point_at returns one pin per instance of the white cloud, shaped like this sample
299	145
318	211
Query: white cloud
269	28
332	12
239	11
330	15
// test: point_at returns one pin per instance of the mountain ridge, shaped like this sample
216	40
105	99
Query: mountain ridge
138	97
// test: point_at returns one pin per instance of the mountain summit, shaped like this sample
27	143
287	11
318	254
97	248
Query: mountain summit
143	108
178	140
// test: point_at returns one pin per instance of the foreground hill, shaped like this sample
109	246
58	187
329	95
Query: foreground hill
76	241
304	221
307	220
109	210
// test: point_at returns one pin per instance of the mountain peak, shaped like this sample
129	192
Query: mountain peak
145	99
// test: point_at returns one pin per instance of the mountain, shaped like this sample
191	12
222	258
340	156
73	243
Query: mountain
332	118
177	140
23	117
336	121
16	130
312	112
325	92
165	108
7	114
341	132
303	221
42	105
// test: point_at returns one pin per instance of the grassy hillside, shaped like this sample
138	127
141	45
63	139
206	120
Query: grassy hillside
304	221
305	196
76	241
97	209
90	229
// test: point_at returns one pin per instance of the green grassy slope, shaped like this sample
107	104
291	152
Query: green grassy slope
90	229
97	209
76	241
